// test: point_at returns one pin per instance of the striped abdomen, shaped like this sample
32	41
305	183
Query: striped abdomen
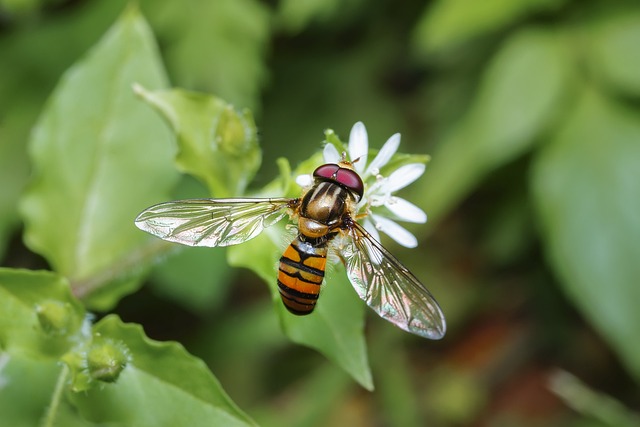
300	275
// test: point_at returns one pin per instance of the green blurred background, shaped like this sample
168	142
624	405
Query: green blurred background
530	111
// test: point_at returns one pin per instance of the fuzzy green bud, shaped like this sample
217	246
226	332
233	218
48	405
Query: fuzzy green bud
234	133
106	360
56	318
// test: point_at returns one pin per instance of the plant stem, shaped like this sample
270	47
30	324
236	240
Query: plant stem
52	411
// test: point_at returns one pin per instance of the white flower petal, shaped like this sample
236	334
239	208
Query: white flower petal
384	155
304	180
358	146
368	225
330	154
400	234
405	210
403	176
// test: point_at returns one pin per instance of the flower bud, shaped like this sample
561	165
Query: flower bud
106	359
56	318
233	134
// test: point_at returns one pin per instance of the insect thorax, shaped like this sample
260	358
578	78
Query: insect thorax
323	208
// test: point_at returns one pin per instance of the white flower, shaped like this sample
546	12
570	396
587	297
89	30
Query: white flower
378	198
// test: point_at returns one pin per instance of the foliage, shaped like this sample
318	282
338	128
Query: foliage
529	111
88	177
86	171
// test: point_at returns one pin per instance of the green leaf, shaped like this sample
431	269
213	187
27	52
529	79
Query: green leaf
160	384
585	184
26	384
447	23
99	157
217	145
520	95
336	327
38	314
613	50
38	53
217	46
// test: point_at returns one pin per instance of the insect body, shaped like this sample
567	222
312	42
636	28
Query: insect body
324	211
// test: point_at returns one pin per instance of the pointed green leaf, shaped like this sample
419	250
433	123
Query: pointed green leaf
217	145
38	54
38	314
585	185
159	384
519	97
99	157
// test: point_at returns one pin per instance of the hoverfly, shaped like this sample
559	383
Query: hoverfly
324	211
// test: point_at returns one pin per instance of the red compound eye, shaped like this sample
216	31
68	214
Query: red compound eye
351	180
326	171
347	178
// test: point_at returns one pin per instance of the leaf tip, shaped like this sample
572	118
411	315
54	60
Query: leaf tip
142	92
131	11
138	89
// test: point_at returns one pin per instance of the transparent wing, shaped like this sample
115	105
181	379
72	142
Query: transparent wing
389	288
212	222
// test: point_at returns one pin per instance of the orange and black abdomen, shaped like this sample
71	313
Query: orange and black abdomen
300	275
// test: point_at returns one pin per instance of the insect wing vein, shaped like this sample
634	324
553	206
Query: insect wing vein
389	288
212	222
